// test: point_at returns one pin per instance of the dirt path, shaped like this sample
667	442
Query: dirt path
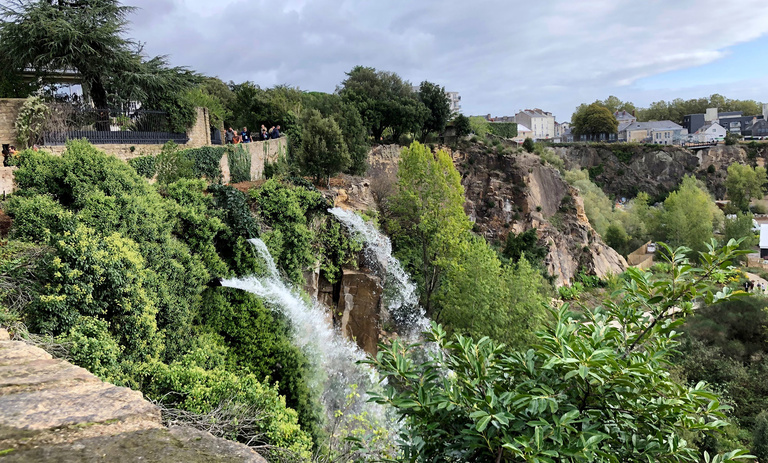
758	280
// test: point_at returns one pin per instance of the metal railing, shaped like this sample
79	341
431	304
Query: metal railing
109	126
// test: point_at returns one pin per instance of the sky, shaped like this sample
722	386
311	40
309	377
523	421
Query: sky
501	56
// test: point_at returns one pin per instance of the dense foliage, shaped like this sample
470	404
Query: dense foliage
125	270
594	120
743	184
594	388
385	102
461	279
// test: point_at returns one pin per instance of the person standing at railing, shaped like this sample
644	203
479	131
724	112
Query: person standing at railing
229	136
246	135
276	132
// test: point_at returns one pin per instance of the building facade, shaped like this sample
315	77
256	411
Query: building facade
541	123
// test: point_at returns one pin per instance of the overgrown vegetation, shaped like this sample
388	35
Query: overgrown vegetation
119	274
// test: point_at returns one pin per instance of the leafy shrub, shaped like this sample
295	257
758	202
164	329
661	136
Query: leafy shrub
31	120
572	292
595	171
207	162
91	346
38	218
173	164
236	213
191	387
258	340
337	250
144	165
528	145
285	209
98	276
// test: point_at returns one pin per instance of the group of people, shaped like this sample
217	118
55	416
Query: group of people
751	286
231	137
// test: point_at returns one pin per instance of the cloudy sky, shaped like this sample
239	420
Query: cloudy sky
501	56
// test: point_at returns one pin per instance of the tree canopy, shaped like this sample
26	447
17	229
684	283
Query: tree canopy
47	37
434	98
385	101
593	120
744	183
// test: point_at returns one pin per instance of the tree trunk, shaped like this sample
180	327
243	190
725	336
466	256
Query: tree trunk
99	98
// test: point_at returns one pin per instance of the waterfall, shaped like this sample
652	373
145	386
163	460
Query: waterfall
401	299
333	357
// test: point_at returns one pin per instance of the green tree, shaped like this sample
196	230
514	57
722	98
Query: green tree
740	228
524	244
479	296
49	36
462	125
350	123
593	120
613	104
385	101
434	98
689	216
426	216
528	145
744	183
595	388
760	437
322	152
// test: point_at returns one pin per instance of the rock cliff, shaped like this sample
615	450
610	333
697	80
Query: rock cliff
53	411
516	192
626	169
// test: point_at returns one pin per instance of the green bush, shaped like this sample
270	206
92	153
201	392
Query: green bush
91	346
173	164
144	165
285	210
97	276
207	162
528	145
38	218
241	397
258	341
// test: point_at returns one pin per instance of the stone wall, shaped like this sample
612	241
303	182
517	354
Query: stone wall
6	180
9	109
51	410
261	152
199	134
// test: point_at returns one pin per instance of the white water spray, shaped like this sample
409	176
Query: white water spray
334	358
401	298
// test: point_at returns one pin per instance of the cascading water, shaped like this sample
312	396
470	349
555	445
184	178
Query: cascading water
401	299
334	358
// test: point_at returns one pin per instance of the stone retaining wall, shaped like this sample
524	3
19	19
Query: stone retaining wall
53	411
199	134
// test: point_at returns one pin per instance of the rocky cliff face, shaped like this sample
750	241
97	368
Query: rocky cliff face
626	169
516	192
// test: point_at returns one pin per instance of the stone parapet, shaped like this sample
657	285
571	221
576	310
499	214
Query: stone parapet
53	411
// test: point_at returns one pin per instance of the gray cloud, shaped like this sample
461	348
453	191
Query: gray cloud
501	56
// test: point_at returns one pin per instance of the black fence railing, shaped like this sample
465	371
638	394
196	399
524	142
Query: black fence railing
109	126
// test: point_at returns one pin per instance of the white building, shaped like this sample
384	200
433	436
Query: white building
541	123
455	99
523	132
709	132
